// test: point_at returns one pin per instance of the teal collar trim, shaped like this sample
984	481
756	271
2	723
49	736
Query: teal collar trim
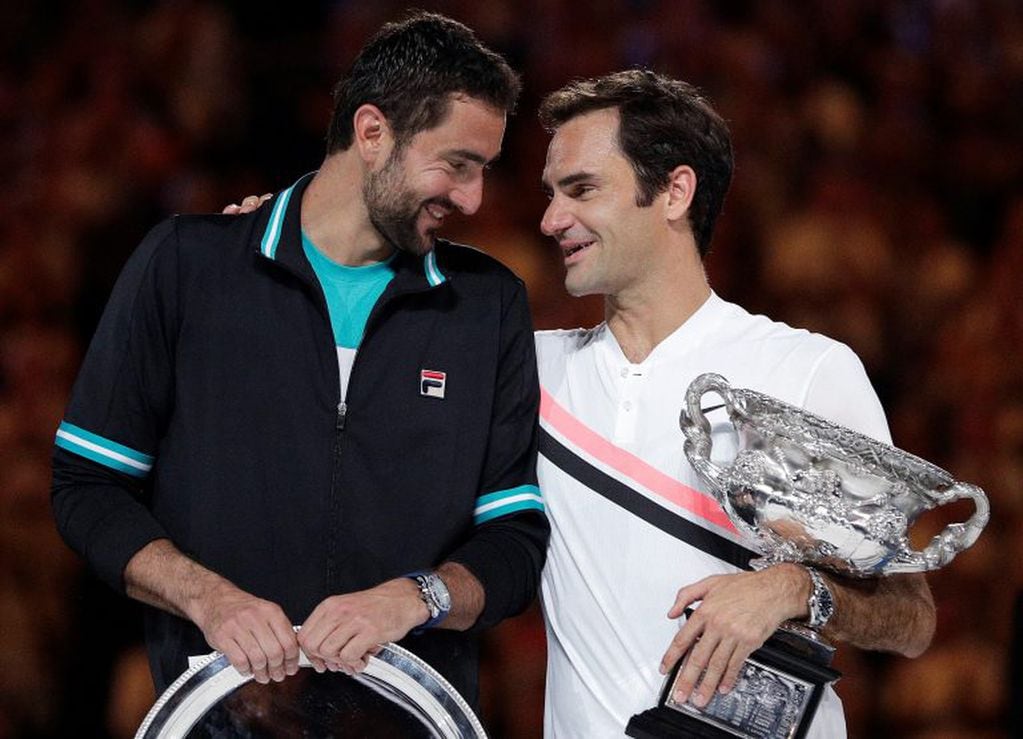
433	275
292	256
272	235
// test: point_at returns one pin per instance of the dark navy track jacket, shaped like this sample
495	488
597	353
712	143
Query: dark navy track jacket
207	411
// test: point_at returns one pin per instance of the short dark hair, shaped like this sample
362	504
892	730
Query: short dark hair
664	123
410	70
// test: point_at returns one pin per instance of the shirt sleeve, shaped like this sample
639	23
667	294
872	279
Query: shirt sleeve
507	549
840	391
107	444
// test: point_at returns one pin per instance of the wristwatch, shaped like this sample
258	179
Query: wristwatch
821	602
435	595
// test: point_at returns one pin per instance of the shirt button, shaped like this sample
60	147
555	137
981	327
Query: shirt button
627	405
625	371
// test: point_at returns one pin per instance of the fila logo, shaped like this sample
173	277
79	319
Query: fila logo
431	383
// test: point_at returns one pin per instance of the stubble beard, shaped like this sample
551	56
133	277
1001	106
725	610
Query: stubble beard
393	208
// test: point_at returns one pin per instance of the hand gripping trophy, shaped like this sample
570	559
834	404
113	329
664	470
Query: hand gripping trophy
809	491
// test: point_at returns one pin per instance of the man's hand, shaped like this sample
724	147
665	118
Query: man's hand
248	205
254	633
344	630
737	614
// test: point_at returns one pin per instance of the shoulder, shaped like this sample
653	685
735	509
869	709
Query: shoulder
808	369
774	357
214	236
767	340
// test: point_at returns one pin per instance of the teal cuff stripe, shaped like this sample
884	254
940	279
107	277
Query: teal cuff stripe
433	275
505	502
272	235
104	451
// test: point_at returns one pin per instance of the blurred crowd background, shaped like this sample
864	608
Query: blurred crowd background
878	198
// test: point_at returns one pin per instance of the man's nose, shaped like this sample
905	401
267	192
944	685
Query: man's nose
468	197
555	219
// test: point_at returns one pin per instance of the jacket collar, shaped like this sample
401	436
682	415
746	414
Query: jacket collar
281	243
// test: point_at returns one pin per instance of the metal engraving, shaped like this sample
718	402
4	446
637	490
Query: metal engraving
808	490
764	704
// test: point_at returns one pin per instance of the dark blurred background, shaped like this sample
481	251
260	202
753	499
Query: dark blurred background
878	198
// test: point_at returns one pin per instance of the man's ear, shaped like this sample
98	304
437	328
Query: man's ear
372	133
680	192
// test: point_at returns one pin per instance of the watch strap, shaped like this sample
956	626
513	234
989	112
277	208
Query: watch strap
426	580
821	603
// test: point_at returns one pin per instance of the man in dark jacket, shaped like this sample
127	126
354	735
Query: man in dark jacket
318	413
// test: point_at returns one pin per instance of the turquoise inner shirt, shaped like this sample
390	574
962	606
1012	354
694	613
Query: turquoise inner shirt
351	292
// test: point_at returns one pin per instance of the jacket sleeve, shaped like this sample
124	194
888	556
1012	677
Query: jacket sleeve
507	550
106	446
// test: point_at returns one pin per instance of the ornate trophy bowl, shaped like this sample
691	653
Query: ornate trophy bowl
398	695
804	490
808	490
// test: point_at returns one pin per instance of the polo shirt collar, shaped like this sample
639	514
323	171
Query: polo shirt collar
701	325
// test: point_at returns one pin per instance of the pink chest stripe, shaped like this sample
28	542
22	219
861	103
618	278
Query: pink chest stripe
629	465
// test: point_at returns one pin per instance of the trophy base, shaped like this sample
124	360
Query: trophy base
775	697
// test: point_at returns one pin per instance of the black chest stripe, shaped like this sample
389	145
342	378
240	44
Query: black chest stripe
639	505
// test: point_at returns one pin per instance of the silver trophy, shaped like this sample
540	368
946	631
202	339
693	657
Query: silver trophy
398	695
805	490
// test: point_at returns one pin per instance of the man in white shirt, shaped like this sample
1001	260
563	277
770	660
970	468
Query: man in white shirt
637	171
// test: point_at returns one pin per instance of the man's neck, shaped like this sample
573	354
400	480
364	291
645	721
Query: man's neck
334	215
642	319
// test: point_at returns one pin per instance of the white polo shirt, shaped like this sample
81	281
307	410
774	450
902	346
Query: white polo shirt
631	521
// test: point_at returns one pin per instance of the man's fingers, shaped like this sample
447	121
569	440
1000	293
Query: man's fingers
288	641
692	668
236	655
356	652
688	595
732	673
255	655
684	639
336	642
249	204
716	666
274	651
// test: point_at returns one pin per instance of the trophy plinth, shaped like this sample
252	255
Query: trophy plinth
808	491
776	695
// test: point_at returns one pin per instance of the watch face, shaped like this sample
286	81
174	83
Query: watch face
398	695
440	592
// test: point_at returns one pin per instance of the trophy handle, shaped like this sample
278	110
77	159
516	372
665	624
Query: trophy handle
957	536
953	539
696	427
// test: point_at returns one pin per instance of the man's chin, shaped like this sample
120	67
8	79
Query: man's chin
418	248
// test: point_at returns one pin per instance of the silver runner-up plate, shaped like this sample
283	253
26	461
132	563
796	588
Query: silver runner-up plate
397	695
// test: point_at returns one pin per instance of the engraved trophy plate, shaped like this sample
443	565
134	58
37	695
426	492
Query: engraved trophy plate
809	491
765	702
397	695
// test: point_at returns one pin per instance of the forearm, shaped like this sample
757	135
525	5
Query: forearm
506	559
889	614
467	596
160	575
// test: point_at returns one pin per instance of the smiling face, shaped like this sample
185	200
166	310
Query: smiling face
438	171
606	239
